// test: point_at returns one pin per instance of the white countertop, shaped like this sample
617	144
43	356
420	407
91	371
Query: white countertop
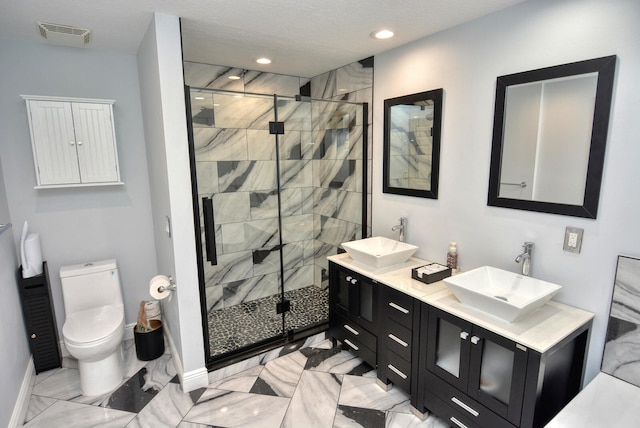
606	402
539	331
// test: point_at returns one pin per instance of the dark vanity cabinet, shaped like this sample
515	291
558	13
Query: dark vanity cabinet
40	320
475	378
398	339
353	311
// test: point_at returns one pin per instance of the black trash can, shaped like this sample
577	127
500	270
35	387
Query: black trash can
149	344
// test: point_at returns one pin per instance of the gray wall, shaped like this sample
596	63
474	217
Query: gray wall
162	93
465	61
14	358
79	224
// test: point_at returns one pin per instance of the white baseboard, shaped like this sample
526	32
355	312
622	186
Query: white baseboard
191	380
22	402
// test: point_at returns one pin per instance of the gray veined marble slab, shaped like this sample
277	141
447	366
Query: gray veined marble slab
167	408
240	382
626	291
219	144
271	83
37	405
63	384
622	348
225	408
314	401
359	391
212	76
280	377
246	175
75	415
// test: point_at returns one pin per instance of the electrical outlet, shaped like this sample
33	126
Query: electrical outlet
573	239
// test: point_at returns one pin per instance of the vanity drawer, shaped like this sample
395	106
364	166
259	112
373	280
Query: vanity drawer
398	339
347	329
398	306
398	371
474	413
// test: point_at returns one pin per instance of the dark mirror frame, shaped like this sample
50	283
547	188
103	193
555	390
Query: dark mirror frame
436	96
605	67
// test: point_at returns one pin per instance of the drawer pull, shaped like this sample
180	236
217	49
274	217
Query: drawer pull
396	339
464	406
396	371
351	329
348	342
398	307
457	422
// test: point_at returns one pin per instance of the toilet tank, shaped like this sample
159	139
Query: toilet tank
90	285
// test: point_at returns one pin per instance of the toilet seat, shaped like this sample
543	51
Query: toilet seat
93	326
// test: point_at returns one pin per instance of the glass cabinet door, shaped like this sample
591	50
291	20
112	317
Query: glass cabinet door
448	355
342	290
366	300
497	371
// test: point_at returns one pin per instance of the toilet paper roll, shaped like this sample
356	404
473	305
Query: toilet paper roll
155	284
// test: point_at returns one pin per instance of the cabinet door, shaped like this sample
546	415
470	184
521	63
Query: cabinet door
448	348
95	140
365	305
497	373
54	143
340	287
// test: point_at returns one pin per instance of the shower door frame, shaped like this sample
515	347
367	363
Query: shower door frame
223	360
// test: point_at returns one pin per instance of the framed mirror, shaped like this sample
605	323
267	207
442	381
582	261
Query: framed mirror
549	136
412	144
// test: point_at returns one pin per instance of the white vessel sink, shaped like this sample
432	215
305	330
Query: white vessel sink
501	293
379	252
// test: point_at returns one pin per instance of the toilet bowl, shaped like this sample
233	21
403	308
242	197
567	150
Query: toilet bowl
94	325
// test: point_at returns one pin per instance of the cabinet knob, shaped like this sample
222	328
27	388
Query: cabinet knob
475	340
349	278
72	143
79	143
464	335
354	281
33	335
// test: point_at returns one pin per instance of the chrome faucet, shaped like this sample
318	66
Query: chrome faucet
525	258
401	227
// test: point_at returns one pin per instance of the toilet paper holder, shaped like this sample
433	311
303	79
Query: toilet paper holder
170	287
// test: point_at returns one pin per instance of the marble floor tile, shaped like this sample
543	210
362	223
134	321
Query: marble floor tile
315	400
359	391
228	409
352	417
168	408
63	384
280	377
404	420
37	405
302	384
239	382
74	415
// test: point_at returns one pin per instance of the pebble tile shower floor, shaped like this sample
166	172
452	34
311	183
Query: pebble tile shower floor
242	325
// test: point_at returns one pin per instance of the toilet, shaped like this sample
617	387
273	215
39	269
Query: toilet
94	326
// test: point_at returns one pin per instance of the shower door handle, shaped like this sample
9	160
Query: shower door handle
209	231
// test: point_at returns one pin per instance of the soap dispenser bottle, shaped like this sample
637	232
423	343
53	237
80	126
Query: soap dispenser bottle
452	257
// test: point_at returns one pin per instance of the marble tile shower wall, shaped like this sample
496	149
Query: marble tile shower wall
235	164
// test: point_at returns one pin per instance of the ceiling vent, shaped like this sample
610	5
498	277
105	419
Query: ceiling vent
65	35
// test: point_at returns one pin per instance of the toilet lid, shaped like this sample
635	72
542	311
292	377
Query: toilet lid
92	324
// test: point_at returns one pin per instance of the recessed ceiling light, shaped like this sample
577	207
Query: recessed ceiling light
234	77
263	61
382	34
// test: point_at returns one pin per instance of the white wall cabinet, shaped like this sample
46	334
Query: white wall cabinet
73	140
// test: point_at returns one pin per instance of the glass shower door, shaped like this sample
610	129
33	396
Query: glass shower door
237	186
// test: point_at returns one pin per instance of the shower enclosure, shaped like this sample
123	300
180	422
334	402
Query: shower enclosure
278	183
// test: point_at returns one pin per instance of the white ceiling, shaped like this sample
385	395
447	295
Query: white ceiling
303	37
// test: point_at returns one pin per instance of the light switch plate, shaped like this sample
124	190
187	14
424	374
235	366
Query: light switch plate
573	239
